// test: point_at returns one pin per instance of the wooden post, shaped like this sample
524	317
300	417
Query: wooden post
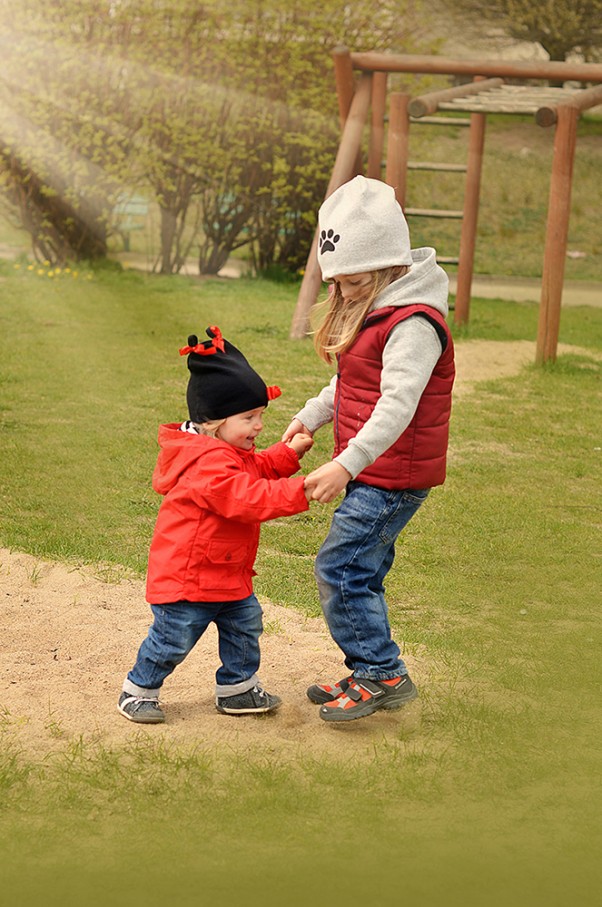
343	74
468	236
557	230
377	126
397	145
344	169
345	83
351	139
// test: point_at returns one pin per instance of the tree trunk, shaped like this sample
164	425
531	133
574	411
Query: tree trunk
60	231
169	223
212	258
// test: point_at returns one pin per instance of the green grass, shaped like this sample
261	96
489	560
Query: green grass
488	795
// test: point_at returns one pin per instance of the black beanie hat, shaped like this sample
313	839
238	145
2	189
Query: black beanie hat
222	383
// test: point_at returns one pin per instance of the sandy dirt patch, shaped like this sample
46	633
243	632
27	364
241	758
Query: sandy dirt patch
68	638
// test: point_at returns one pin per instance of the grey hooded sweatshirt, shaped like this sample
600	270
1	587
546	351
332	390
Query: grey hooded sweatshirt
409	357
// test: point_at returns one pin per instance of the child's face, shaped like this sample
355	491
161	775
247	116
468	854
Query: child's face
354	287
242	429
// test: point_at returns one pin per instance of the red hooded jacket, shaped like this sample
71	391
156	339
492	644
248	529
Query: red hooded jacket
207	530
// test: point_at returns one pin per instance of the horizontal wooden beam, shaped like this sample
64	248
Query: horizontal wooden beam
428	103
504	69
440	121
443	168
432	212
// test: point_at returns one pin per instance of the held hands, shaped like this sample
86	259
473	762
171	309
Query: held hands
295	428
326	482
300	443
299	438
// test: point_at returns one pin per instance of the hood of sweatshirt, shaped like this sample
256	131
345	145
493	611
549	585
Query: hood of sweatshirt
426	283
179	451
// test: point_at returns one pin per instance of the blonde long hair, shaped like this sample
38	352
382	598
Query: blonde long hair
342	322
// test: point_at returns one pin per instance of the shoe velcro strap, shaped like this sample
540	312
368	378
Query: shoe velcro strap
371	686
352	693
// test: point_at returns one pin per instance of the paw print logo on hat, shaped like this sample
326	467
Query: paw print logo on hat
328	241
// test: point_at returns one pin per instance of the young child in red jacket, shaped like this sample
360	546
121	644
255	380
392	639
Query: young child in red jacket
218	490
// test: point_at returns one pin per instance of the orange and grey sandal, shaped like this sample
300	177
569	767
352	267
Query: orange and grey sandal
363	697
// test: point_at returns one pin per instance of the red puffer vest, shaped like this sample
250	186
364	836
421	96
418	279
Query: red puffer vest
417	459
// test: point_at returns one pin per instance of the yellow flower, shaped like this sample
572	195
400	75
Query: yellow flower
17	267
40	271
50	273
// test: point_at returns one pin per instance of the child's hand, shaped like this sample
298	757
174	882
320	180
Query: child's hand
300	443
295	428
326	482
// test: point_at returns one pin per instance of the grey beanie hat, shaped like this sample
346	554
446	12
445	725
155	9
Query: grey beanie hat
362	228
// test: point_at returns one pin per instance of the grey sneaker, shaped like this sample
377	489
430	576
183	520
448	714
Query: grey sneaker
254	702
140	709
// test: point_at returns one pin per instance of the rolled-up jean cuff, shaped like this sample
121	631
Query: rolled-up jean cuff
134	690
235	689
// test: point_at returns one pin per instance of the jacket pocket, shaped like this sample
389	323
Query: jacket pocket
226	554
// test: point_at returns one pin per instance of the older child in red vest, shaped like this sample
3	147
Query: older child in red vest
390	403
218	490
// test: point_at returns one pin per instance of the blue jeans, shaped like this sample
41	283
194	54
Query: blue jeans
350	570
176	630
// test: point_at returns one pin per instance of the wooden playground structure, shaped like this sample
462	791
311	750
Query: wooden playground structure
363	100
